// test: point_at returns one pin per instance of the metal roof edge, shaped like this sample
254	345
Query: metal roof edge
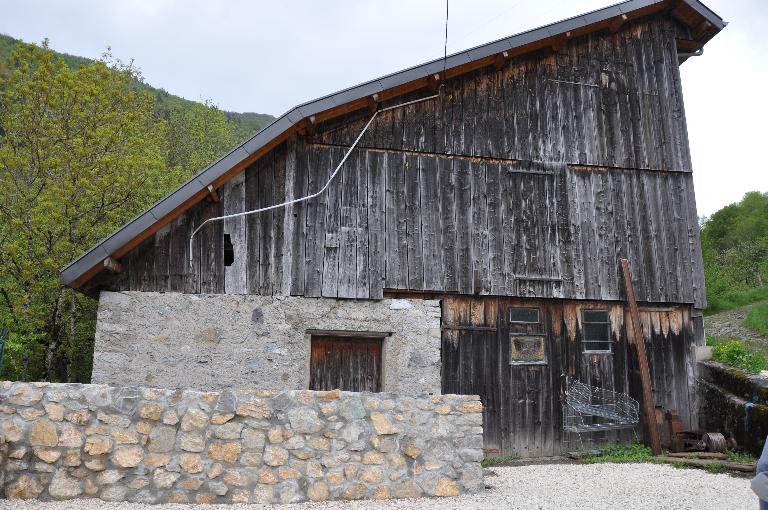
237	155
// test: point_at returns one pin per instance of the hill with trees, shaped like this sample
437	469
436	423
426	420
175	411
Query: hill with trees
245	124
735	247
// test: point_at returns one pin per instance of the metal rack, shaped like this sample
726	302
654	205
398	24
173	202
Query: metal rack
591	409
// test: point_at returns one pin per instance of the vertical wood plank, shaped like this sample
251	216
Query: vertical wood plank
429	186
299	218
332	223
396	242
233	202
376	164
413	223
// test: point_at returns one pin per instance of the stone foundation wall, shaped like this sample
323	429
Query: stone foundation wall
214	341
62	441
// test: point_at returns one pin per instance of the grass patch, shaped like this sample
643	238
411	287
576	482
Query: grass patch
741	458
734	353
622	453
496	461
734	299
757	319
715	468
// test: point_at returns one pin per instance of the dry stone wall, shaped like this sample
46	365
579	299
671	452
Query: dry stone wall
63	441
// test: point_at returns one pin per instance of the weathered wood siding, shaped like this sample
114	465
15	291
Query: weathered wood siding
531	180
523	402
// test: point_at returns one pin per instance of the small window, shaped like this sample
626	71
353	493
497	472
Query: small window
596	330
229	251
524	315
527	349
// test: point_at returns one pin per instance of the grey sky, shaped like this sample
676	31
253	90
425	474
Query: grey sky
268	56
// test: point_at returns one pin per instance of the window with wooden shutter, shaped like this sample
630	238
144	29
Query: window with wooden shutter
347	363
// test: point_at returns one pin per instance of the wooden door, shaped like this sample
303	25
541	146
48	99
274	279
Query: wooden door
529	387
471	360
348	364
508	364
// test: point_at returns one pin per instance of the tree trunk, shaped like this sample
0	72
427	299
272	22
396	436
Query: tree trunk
53	337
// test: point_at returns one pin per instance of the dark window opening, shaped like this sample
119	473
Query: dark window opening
596	330
524	315
229	251
345	362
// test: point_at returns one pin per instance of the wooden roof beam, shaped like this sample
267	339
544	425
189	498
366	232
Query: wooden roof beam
307	126
500	60
213	195
112	265
373	102
559	41
617	23
701	29
433	82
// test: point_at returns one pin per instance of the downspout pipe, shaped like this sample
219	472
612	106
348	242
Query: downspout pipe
696	53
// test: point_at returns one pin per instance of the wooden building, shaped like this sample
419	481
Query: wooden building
510	197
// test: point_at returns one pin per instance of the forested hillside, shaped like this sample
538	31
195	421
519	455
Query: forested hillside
245	124
735	246
85	145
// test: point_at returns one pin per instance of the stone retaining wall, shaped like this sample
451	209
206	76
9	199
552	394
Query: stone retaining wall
62	441
216	341
734	403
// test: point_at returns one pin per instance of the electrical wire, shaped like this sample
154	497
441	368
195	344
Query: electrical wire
313	195
445	46
346	155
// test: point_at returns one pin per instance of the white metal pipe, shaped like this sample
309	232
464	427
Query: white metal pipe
313	195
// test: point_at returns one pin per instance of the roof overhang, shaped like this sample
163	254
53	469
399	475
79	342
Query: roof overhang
704	25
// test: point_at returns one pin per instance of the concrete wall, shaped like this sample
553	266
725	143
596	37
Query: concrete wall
210	341
63	441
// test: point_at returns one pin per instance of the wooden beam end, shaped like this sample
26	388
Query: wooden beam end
213	195
112	265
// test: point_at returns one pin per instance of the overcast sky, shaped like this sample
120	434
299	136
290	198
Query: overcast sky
269	56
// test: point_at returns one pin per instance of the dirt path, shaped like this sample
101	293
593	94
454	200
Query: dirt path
730	324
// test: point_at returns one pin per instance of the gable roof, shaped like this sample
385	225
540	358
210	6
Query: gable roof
705	24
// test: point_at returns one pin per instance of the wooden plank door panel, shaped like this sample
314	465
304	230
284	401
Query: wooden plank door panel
348	364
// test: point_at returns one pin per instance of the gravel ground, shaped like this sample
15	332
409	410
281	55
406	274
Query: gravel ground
555	486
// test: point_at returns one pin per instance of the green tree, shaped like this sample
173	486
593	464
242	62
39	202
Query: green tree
735	248
198	135
81	152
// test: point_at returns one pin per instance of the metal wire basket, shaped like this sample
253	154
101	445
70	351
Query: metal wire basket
592	409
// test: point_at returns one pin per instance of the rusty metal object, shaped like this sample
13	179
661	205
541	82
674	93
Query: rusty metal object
676	439
715	442
672	429
687	441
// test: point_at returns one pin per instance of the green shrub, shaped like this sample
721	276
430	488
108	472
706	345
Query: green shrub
741	458
715	468
734	353
757	319
622	453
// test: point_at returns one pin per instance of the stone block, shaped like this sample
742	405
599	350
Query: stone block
43	433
